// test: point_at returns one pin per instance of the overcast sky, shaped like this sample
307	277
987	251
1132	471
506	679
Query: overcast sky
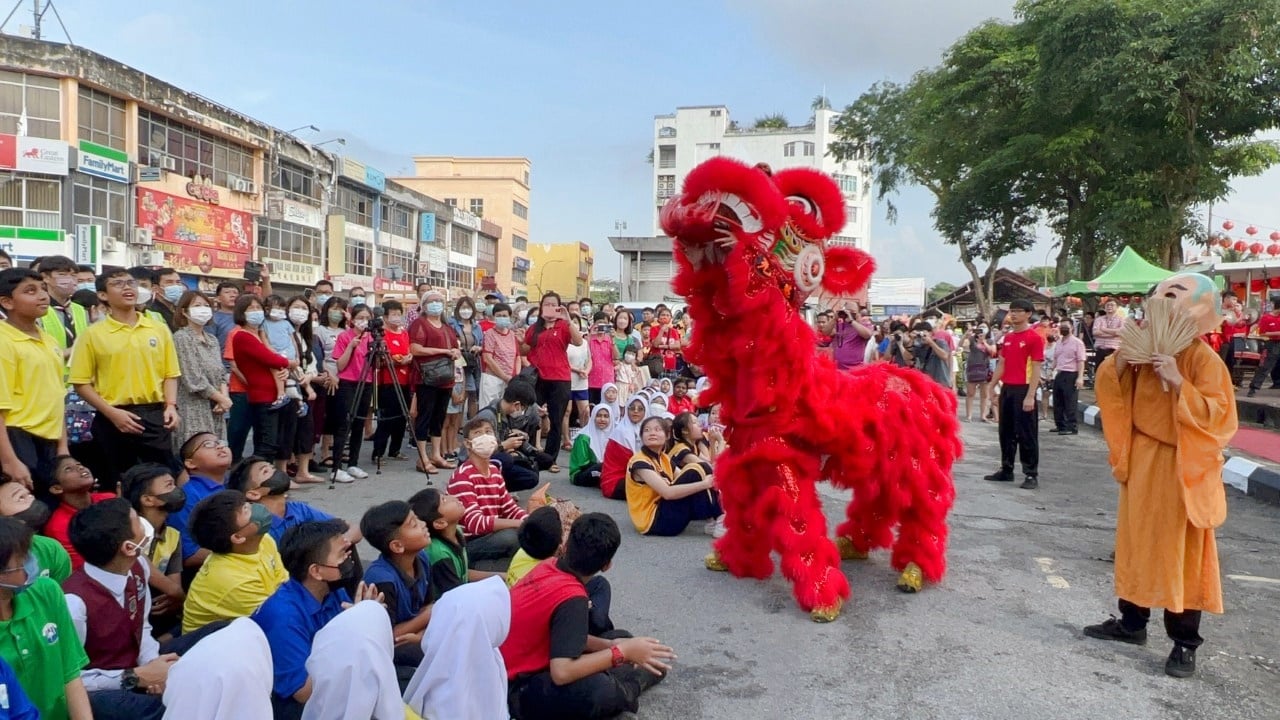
572	85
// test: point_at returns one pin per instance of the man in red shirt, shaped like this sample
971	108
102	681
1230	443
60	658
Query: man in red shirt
1269	329
555	668
1021	355
1234	323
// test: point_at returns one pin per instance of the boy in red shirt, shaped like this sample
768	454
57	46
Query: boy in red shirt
1021	355
1269	329
491	515
72	487
394	385
555	668
680	401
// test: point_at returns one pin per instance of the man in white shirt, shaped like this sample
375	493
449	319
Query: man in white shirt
109	602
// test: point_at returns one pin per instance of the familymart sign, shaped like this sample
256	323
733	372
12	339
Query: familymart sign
30	243
103	162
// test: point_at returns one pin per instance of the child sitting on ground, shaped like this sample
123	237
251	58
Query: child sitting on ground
589	447
543	536
447	552
491	515
401	573
72	488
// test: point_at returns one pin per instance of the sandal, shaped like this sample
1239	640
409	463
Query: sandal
309	480
553	469
443	464
428	470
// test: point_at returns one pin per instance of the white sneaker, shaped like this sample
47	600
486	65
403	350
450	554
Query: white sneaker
341	476
357	473
715	528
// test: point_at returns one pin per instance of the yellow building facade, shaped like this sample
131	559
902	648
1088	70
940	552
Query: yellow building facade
494	188
565	268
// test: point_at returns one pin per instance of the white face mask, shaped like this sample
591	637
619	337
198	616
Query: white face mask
361	324
276	314
465	313
299	315
200	314
484	445
144	296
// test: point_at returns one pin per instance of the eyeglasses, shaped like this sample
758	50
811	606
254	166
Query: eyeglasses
123	283
208	445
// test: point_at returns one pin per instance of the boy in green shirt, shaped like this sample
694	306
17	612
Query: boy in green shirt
447	553
17	502
37	637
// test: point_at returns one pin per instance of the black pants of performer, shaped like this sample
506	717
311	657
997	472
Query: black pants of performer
1268	364
673	516
124	450
1183	628
37	454
392	422
1100	354
555	395
602	695
588	476
433	405
492	552
1019	433
1064	400
349	432
516	476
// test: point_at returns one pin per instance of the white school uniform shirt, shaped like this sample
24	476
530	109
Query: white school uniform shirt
93	678
225	676
463	675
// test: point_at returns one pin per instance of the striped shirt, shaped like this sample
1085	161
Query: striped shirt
483	497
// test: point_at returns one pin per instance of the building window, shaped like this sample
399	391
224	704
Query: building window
356	206
848	184
287	242
436	277
526	178
396	220
190	152
519	210
519	243
717	112
843	240
461	240
451	202
808	148
389	256
27	202
666	132
666	156
487	252
38	97
477	207
442	228
96	201
101	118
519	277
297	182
666	186
850	214
359	257
461	276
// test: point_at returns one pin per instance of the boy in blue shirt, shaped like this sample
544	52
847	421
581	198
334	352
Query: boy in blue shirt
318	558
400	573
14	703
206	458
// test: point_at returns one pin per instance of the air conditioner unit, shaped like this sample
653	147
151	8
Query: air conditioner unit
168	163
110	243
241	185
142	236
151	258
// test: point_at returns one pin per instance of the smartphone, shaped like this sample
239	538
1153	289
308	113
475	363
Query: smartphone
253	271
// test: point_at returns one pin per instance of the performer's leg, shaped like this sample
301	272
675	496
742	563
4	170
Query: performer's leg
1133	617
1184	628
920	552
1130	627
870	516
744	550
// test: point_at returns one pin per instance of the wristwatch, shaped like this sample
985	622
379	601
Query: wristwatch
129	679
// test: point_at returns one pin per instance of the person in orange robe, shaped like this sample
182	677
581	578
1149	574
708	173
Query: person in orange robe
1166	425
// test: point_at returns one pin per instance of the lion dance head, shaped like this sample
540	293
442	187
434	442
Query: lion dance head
745	233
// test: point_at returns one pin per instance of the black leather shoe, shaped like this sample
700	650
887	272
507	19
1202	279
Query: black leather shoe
1181	662
999	477
1113	630
1031	483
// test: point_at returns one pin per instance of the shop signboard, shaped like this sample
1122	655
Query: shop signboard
34	155
103	162
196	237
293	273
27	244
88	245
427	228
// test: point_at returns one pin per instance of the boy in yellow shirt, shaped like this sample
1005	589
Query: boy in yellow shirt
244	567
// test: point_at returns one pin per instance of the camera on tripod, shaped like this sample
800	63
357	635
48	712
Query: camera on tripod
378	322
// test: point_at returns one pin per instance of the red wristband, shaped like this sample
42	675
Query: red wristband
618	658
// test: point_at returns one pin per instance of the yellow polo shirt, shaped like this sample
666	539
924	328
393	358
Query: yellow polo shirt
32	396
232	585
127	365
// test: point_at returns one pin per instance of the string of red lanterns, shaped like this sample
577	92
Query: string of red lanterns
1243	246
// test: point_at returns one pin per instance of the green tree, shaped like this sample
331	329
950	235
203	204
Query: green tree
820	102
776	121
939	291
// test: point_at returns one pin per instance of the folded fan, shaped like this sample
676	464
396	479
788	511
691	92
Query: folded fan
1164	331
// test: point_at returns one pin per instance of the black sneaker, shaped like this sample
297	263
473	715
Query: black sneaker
1030	483
1068	432
1251	393
999	477
1113	630
1181	662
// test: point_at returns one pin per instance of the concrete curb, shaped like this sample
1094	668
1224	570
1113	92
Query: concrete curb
1247	476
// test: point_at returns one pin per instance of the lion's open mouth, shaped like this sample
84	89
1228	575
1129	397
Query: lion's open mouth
732	212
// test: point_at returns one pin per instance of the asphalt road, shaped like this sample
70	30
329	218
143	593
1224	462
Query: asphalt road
998	638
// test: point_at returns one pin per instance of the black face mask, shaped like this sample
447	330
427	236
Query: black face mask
277	484
346	573
174	500
35	516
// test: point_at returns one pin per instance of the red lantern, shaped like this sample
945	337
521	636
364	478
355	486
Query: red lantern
1240	246
1256	286
1224	241
1255	249
1275	235
1228	225
1251	230
1275	283
1273	249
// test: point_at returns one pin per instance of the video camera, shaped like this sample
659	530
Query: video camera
378	322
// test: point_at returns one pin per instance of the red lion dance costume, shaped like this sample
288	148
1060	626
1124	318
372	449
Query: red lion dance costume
750	246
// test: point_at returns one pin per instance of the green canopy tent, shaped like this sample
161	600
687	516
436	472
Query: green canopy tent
1130	274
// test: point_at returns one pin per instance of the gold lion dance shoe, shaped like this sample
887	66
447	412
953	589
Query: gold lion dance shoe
911	580
827	614
713	562
848	551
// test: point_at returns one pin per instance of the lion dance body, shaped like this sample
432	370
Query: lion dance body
750	248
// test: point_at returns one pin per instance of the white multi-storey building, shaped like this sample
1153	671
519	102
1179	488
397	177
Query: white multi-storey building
690	135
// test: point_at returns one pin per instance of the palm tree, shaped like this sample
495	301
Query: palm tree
776	121
820	102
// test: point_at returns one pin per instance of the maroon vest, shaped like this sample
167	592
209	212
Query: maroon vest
108	647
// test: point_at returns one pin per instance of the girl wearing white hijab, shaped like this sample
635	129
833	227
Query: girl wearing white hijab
611	395
226	676
351	668
462	675
588	449
623	442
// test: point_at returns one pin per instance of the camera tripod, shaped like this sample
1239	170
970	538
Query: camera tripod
378	359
